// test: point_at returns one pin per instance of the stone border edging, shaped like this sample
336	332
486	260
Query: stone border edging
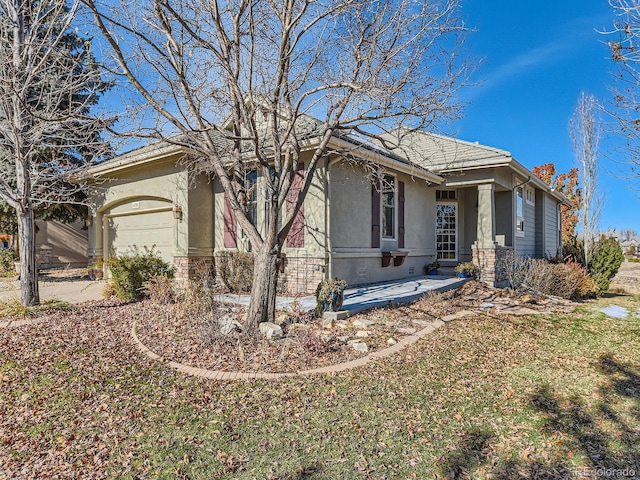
339	367
21	323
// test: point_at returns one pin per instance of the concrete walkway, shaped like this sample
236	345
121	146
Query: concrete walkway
366	297
72	291
355	299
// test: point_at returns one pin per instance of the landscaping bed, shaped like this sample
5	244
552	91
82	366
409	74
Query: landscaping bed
178	334
493	396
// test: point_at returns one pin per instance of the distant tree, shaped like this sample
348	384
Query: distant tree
48	83
585	132
567	184
243	81
627	234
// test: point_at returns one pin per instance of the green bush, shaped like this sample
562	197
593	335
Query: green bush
129	272
573	250
7	257
605	262
235	270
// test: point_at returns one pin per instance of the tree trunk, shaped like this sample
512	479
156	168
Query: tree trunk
262	305
27	247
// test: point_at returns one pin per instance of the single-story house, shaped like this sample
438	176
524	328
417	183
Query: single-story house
58	244
630	246
441	198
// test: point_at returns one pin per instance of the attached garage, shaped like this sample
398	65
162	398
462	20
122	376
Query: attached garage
150	228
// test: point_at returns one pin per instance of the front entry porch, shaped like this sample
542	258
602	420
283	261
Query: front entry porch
476	223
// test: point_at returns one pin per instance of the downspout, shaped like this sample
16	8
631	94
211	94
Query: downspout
327	221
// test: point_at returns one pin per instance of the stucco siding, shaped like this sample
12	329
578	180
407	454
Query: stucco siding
350	215
352	256
199	218
135	192
504	215
468	221
69	241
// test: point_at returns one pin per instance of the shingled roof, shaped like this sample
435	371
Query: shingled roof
442	154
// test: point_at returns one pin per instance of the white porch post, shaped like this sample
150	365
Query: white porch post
486	229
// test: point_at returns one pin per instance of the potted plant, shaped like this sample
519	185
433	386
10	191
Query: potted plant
95	271
432	268
466	270
330	295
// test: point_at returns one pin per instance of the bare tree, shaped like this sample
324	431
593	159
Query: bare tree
48	81
242	82
624	42
627	234
584	128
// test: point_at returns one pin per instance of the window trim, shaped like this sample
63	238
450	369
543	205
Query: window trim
520	227
530	196
385	188
457	210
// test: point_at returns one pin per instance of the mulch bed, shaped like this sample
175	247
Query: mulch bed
177	334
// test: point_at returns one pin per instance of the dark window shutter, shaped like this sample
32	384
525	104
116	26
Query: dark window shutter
295	237
230	235
400	214
375	215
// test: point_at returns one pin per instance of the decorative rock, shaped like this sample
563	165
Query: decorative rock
340	315
270	330
327	322
527	299
362	334
391	341
298	326
228	324
407	330
360	347
360	323
344	338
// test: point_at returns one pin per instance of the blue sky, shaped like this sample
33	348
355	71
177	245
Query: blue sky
537	58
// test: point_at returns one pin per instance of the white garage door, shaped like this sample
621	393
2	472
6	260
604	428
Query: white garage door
144	229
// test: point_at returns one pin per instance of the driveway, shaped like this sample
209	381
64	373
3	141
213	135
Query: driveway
69	285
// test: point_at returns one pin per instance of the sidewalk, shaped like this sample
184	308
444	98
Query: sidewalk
356	299
366	297
72	291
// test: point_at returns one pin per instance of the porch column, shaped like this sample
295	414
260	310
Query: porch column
486	229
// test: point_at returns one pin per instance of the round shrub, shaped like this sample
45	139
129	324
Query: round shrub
130	271
7	257
605	262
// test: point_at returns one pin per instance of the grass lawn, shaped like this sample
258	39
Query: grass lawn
491	397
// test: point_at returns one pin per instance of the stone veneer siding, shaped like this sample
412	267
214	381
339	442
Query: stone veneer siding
491	262
302	274
193	267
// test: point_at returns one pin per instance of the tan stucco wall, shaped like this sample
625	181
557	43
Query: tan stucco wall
69	241
199	217
468	222
502	177
504	215
134	190
314	215
350	228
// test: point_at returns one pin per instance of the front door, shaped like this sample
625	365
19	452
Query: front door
446	231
